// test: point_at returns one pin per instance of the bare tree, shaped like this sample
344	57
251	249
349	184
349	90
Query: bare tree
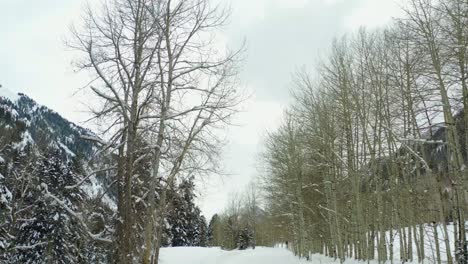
164	89
383	138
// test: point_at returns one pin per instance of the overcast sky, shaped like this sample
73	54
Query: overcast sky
281	35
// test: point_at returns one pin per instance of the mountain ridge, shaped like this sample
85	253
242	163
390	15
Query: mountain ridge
42	124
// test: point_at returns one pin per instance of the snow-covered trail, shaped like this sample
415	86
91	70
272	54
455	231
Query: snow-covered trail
261	255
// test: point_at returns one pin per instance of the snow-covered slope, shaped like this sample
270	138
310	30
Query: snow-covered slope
42	126
26	125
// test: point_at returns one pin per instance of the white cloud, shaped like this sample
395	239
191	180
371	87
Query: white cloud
258	117
373	13
35	59
332	2
291	3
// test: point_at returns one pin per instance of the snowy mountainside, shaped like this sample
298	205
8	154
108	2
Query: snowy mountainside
41	126
52	194
27	126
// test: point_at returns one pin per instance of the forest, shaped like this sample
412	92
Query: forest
368	163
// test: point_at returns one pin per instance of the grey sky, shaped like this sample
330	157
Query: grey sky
282	35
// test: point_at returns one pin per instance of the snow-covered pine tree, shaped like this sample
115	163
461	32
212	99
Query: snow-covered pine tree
203	238
14	181
186	225
245	238
193	226
5	215
177	219
49	234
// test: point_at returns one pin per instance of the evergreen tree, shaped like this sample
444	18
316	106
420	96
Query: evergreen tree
193	226
203	239
5	215
178	222
185	224
245	238
214	232
50	234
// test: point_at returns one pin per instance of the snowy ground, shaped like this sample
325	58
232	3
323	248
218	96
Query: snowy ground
280	255
261	255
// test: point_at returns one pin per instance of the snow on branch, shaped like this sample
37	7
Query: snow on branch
422	140
88	176
30	246
94	139
77	216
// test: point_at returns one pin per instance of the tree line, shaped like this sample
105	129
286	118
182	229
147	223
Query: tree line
370	159
239	226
